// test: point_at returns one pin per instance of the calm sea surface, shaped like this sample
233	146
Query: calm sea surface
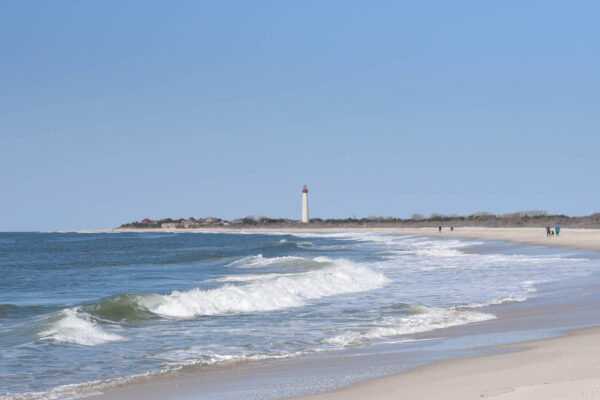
79	311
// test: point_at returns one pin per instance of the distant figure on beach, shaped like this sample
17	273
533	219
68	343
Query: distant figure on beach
547	230
440	229
557	230
452	228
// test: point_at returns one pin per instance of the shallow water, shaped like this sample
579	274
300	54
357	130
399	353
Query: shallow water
78	308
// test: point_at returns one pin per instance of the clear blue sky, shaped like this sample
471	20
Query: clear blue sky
114	111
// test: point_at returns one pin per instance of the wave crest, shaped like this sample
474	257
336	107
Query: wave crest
280	291
423	321
122	307
72	326
258	261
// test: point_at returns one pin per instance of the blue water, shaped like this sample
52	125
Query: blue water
79	311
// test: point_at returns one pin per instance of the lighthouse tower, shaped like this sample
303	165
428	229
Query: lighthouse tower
305	205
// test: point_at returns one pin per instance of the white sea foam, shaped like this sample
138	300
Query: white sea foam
176	360
529	286
249	277
433	248
337	235
199	355
79	390
258	261
279	292
322	247
434	318
77	327
496	302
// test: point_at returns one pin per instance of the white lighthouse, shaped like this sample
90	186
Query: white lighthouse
305	205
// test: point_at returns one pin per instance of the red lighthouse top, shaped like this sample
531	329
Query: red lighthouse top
305	190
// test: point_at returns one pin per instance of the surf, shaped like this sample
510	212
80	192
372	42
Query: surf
275	292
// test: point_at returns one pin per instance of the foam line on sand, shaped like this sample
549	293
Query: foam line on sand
566	367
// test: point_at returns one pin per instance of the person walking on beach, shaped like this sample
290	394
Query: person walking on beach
557	230
440	229
548	231
452	228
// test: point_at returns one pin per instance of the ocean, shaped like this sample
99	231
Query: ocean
83	312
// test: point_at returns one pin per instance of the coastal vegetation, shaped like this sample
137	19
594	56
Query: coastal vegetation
532	218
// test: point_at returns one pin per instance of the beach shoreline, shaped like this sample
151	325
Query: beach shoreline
563	366
573	238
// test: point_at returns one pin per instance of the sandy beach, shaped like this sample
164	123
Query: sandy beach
566	367
582	239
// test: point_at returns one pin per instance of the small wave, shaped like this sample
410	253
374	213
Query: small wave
81	390
176	360
73	326
258	261
496	302
272	294
122	307
432	248
426	320
318	247
194	356
248	278
530	286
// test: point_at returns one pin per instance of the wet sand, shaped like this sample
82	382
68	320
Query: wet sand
567	367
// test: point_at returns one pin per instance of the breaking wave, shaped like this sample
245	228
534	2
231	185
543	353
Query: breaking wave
259	261
496	302
72	326
268	293
423	320
321	277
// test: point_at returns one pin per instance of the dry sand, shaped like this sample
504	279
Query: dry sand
567	367
583	239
